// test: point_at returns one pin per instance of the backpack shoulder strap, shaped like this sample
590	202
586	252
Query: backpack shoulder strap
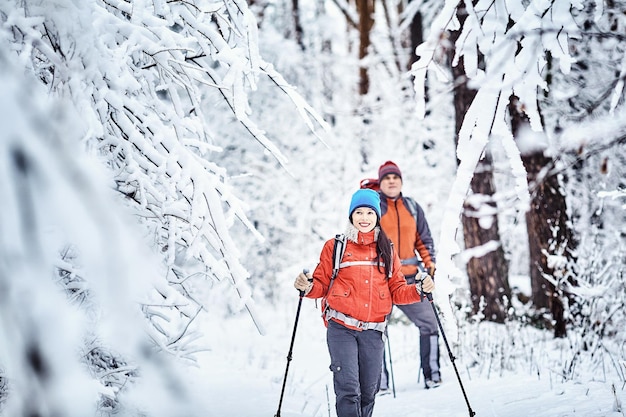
338	250
391	260
411	205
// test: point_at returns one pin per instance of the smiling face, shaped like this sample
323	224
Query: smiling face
364	219
391	185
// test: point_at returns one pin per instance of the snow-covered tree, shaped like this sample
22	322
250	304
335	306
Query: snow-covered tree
150	81
543	57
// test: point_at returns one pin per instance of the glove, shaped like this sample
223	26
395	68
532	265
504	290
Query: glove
304	283
426	283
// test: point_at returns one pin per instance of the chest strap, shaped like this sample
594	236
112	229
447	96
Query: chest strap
350	321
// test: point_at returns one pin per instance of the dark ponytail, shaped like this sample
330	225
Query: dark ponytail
384	251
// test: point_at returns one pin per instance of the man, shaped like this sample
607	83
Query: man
404	222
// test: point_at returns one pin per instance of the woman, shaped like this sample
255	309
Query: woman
358	301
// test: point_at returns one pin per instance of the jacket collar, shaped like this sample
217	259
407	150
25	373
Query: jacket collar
353	234
386	197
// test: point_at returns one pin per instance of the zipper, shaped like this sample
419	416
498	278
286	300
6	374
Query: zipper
395	206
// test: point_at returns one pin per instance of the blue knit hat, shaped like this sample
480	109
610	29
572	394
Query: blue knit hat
365	198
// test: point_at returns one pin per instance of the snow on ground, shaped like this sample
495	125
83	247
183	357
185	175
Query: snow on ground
243	374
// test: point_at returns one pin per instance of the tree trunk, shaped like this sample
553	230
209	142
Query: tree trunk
417	37
549	235
365	9
487	272
297	26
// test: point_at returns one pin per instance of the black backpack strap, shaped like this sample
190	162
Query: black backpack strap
391	260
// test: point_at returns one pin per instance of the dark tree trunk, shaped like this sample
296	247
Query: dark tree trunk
417	36
488	273
365	9
549	234
297	26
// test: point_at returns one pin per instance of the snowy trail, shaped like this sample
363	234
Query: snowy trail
248	394
243	375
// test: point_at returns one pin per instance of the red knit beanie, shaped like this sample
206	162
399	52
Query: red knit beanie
388	168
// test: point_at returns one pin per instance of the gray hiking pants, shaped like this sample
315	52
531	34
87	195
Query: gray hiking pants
355	358
423	316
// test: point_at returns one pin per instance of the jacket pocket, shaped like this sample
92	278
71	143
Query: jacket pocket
384	304
384	294
339	291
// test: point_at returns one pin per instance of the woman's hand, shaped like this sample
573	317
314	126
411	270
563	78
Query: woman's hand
304	282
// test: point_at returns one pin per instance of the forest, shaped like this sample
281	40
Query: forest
167	163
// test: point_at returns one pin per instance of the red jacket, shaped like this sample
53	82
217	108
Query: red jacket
361	291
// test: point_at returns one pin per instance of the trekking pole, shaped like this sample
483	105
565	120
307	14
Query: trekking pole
293	338
445	339
393	381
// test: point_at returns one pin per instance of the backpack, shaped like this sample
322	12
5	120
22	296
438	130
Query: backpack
371	183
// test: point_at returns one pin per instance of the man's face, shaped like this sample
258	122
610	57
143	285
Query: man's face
391	185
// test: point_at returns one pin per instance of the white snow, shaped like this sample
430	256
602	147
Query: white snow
243	373
187	206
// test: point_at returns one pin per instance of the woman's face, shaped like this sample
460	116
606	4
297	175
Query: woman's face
364	219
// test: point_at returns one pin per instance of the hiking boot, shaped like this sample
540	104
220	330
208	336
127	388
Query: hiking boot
430	383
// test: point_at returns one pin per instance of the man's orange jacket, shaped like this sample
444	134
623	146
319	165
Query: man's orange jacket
407	233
